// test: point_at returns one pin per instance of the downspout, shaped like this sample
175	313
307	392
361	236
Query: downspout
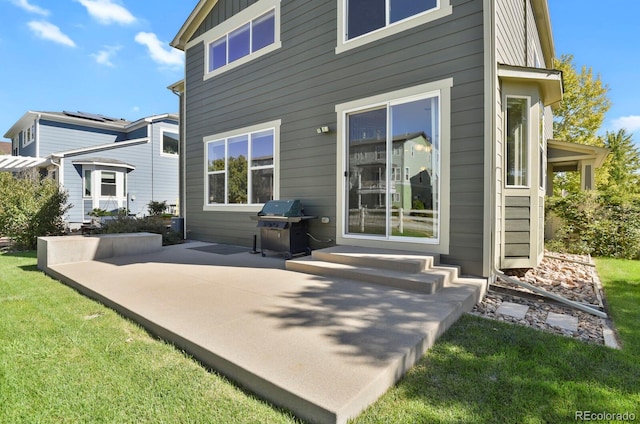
150	135
181	151
38	135
526	33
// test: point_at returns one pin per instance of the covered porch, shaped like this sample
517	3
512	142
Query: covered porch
564	156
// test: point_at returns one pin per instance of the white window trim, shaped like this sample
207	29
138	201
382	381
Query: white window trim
529	144
442	88
162	152
234	22
443	9
271	125
96	185
31	129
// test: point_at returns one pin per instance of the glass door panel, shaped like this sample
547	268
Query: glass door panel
414	161
367	173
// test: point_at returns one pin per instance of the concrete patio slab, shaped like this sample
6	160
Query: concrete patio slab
513	310
564	321
323	347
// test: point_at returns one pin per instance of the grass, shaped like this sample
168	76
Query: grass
65	358
621	281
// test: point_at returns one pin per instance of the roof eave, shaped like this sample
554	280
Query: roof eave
549	80
192	23
543	21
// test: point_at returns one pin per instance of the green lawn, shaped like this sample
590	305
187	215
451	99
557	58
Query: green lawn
65	358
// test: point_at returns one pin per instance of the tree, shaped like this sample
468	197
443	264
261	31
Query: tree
622	164
579	116
584	105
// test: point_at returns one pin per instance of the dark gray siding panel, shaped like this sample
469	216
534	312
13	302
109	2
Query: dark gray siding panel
220	13
517	226
301	84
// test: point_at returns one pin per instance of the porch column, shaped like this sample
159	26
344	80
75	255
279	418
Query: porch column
587	174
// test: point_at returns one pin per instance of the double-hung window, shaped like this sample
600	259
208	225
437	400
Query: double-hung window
369	20
108	184
253	32
241	167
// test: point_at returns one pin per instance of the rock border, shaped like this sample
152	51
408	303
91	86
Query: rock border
571	276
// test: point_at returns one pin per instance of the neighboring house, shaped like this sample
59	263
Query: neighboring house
421	125
103	162
5	148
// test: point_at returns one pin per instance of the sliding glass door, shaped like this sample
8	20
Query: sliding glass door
393	167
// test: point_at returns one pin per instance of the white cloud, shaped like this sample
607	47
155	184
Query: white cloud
49	31
107	12
24	4
630	123
160	52
104	56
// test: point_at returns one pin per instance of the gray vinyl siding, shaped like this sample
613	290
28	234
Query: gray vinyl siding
510	35
517	34
517	226
302	82
28	150
164	187
58	137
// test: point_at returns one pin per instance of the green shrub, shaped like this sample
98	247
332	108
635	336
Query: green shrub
31	207
597	224
149	224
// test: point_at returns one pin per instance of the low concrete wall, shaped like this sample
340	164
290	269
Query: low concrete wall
68	249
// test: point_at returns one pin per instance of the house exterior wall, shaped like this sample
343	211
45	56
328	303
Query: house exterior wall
58	136
155	176
164	185
302	82
520	212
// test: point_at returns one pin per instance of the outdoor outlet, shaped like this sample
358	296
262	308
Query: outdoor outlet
325	220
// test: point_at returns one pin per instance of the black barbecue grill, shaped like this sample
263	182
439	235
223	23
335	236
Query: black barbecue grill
283	228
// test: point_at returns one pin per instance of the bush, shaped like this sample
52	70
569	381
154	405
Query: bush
149	224
597	224
31	207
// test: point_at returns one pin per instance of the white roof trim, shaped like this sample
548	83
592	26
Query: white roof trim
582	152
110	146
192	23
98	162
549	80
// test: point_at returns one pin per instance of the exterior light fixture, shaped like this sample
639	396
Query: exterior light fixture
322	130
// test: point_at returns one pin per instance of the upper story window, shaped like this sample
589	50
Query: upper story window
253	32
28	135
364	16
170	143
248	39
363	21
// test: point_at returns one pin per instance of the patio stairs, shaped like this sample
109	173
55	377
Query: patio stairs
402	270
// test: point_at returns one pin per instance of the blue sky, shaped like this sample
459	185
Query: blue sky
604	36
112	56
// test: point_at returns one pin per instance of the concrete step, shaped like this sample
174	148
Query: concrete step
409	262
424	282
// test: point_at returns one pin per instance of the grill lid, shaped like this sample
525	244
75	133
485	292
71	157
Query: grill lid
284	208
